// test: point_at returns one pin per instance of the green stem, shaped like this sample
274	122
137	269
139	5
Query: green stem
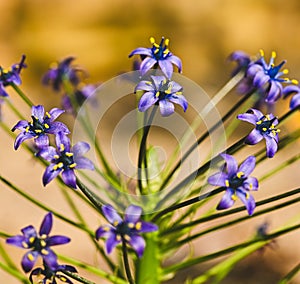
286	279
22	95
126	262
143	149
14	273
228	250
77	277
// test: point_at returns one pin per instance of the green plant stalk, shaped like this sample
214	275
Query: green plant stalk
287	278
7	259
14	109
126	262
15	273
228	250
90	268
148	266
22	95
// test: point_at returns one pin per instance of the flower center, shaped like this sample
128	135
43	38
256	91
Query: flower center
123	229
160	51
164	90
236	181
265	125
65	160
37	127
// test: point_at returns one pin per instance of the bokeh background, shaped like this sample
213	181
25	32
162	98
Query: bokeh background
100	34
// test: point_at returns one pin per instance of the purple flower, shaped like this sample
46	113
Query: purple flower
292	89
264	129
80	96
163	92
242	59
267	78
63	71
65	159
50	274
157	54
237	182
126	230
41	125
38	243
11	76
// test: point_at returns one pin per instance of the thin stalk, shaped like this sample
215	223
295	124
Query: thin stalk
204	136
187	203
228	250
14	273
229	212
143	149
14	109
286	279
77	277
126	262
22	95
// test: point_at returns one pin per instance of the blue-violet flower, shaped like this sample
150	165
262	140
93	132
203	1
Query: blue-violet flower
11	76
295	90
41	125
38	243
126	230
265	128
157	54
65	159
237	182
163	92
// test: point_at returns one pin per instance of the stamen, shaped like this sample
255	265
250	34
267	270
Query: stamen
127	238
285	71
130	225
115	223
48	114
152	40
240	174
72	165
68	154
30	257
259	122
251	186
268	117
38	131
61	147
156	50
27	129
138	226
234	197
44	252
273	54
247	195
264	129
227	183
56	157
25	245
167	41
43	243
31	239
118	237
262	54
46	126
294	81
157	94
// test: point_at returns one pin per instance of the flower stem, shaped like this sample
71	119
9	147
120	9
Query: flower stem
286	279
77	277
187	203
126	262
143	150
22	95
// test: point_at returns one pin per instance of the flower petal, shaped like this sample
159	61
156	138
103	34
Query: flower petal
21	125
251	183
231	164
47	153
166	67
260	79
55	113
133	214
146	65
254	137
247	199
176	61
227	200
17	241
111	243
144	86
50	258
56	127
46	225
69	178
218	179
103	232
142	51
147	100
57	240
80	149
180	100
62	139
21	138
274	93
247	166
111	214
138	244
248	117
148	227
29	232
271	146
42	141
29	260
295	101
84	163
166	107
50	174
38	112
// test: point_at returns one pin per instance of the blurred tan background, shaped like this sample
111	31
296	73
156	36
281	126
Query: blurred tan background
101	34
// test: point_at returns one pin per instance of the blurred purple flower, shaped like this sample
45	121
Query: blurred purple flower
264	129
163	92
38	243
242	59
157	54
50	274
126	230
65	159
11	76
63	71
237	182
295	90
41	125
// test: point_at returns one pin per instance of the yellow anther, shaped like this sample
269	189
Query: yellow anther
264	129
166	51
262	54
44	236
285	71
56	157
294	81
234	197
247	195
30	256
240	174
273	54
43	243
5	71
168	91
38	131
25	245
156	50
44	252
61	147
127	238
148	83
130	225
46	126
157	94
48	114
118	237
178	93
62	278
138	226
68	154
259	122
55	167
167	41
106	229
152	40
31	239
268	117
72	166
27	128
115	223
250	186
227	183
53	65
